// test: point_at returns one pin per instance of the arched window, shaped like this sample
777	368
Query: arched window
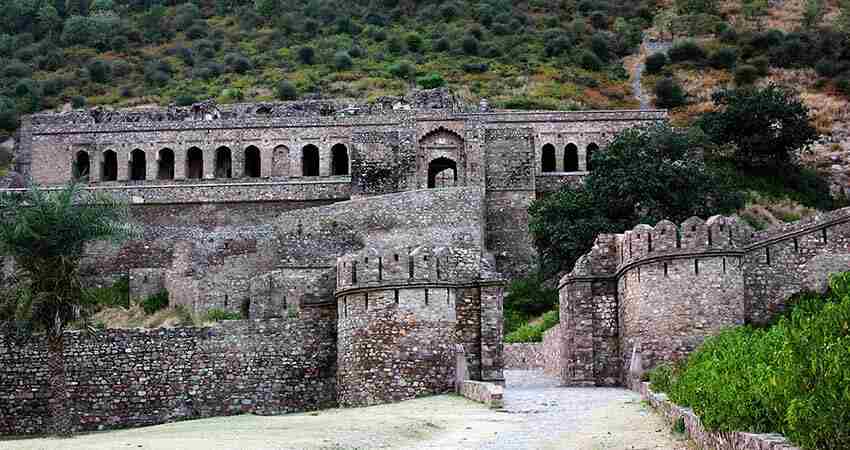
223	163
109	166
138	165
588	158
442	172
310	161
571	158
280	161
252	162
194	163
339	160
165	168
82	166
548	158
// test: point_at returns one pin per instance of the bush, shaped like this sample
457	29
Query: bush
414	42
158	73
669	94
78	101
342	61
724	58
16	69
762	65
475	67
661	377
534	332
827	68
442	45
791	378
470	45
687	50
306	55
238	63
155	302
286	91
117	295
842	84
217	315
185	100
431	81
588	60
655	62
100	71
599	46
402	69
746	75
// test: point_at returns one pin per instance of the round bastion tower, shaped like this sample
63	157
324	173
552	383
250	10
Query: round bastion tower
397	322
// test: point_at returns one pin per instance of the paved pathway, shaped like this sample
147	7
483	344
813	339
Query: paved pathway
538	415
650	48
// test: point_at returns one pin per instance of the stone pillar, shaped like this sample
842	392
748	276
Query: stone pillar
266	161
95	165
491	334
152	164
122	157
559	158
324	160
209	163
237	162
180	164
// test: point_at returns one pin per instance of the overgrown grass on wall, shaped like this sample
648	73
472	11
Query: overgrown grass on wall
792	378
533	331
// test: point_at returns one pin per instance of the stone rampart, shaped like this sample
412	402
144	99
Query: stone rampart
122	378
660	291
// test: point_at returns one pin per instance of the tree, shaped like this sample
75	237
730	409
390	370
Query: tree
8	114
643	176
45	231
768	126
286	91
668	93
697	6
655	62
812	14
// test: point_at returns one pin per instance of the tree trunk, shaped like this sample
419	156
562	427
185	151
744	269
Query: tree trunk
60	420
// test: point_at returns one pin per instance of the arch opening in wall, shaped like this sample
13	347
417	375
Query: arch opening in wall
588	158
109	166
280	161
571	158
165	166
138	165
82	166
310	161
442	173
339	160
194	163
223	163
252	162
547	162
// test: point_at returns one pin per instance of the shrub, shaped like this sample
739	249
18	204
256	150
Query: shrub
108	297
599	46
724	58
590	61
431	81
78	101
185	100
687	50
534	332
475	67
217	315
669	94
827	68
442	45
414	42
661	377
395	45
402	69
306	55
655	62
197	31
17	69
286	91
762	65
746	75
8	114
100	71
155	302
557	46
470	45
842	84
158	73
791	378
342	60
238	63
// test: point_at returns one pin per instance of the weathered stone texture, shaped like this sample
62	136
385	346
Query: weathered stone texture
122	378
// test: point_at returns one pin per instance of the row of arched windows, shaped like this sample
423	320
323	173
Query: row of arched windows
222	164
549	160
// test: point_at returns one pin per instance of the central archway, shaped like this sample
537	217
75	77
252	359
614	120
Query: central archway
138	165
82	165
442	173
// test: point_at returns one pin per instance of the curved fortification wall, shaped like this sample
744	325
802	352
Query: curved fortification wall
657	292
401	315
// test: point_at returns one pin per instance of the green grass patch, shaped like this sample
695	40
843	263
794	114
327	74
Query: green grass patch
533	331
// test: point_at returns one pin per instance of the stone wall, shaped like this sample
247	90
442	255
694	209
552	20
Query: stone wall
660	291
122	378
524	356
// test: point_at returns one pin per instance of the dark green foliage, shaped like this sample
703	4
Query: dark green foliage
185	100
8	114
599	46
342	61
470	45
533	332
724	58
306	55
100	71
668	93
117	295
842	84
590	61
697	6
286	91
746	75
431	81
414	42
768	126
158	72
78	101
475	67
557	45
800	184
217	315
762	65
645	175
526	298
403	69
238	63
687	50
661	377
790	378
16	69
655	62
155	302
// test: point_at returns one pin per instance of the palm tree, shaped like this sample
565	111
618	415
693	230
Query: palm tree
45	231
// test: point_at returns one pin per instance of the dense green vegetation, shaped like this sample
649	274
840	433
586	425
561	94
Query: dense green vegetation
533	331
527	298
791	378
529	54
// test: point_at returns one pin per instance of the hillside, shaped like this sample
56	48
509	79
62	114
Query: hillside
540	54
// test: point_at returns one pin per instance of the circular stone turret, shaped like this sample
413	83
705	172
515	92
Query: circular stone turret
397	322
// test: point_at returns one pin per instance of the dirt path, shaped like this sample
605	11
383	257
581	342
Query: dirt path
647	48
537	415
